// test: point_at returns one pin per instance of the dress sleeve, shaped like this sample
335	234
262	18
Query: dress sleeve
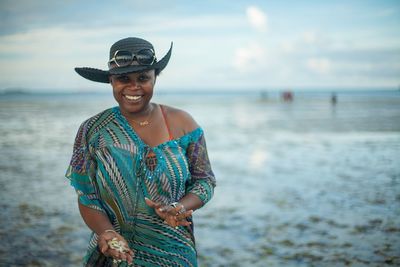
81	170
202	181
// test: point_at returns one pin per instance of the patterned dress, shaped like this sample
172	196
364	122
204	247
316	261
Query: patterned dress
113	170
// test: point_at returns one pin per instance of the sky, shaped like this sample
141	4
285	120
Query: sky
218	45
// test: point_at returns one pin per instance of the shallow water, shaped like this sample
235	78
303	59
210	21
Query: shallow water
299	184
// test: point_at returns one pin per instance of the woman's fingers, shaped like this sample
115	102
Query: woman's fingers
108	251
102	245
183	223
178	220
114	254
171	210
129	258
174	223
152	204
184	215
119	255
179	209
171	215
122	256
167	209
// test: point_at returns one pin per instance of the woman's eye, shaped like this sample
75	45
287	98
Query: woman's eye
123	79
143	78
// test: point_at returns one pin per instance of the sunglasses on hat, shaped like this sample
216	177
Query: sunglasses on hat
123	58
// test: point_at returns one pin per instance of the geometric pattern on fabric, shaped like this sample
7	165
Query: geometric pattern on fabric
113	170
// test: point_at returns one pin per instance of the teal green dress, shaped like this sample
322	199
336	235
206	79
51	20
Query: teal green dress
113	170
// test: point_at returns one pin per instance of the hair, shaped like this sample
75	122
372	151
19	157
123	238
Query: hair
157	72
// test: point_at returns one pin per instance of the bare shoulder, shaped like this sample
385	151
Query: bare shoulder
180	120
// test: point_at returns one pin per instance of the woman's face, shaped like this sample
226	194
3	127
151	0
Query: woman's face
133	91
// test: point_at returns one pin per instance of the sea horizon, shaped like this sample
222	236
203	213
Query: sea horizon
261	92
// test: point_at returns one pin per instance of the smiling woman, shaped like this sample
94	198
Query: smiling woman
133	92
140	169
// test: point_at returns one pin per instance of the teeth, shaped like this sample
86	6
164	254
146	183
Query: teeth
131	97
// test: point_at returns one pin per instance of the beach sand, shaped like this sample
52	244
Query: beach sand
305	183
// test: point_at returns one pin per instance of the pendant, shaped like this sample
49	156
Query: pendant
144	123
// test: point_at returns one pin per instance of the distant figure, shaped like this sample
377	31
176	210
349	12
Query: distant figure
333	99
287	96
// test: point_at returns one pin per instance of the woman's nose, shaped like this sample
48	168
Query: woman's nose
133	83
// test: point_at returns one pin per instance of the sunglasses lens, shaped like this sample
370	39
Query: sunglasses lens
123	58
145	57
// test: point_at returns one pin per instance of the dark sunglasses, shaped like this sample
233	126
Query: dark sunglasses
125	58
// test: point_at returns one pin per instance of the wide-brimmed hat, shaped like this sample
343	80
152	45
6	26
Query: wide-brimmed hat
132	45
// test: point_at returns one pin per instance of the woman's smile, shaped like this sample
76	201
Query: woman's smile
133	98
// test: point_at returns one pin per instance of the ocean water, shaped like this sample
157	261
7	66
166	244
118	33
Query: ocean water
302	183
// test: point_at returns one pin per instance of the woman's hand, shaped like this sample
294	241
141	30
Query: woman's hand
173	216
105	238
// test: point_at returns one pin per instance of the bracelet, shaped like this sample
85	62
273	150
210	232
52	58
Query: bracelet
175	204
110	231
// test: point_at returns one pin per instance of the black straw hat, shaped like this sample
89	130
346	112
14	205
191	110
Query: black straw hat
132	45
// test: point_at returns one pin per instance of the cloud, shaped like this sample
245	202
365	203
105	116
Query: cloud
287	47
57	49
26	15
319	65
257	18
310	37
52	38
249	58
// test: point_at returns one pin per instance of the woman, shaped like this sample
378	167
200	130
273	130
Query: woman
140	169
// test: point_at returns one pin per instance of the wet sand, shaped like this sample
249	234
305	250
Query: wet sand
299	184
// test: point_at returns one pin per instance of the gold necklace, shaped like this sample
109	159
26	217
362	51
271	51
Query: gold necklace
146	121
